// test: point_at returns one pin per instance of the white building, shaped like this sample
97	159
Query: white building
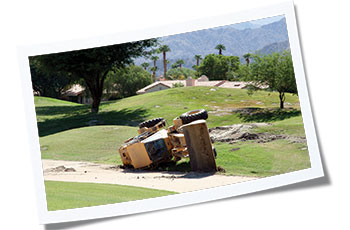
202	81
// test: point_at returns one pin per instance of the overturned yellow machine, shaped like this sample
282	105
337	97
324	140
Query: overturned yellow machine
187	137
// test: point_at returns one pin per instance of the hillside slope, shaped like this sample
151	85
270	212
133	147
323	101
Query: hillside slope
70	132
219	102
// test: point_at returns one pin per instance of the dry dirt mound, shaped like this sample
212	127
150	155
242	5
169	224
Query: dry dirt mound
243	132
60	168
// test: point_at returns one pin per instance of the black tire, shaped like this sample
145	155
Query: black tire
150	123
194	115
214	150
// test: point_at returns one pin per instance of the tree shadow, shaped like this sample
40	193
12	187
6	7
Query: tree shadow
73	117
61	110
266	115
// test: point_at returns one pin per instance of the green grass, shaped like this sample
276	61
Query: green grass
292	126
262	159
47	101
98	144
66	135
250	158
68	131
55	116
68	195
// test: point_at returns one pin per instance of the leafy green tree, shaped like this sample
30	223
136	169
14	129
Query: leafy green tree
220	47
145	65
180	74
198	58
247	57
124	82
217	67
48	84
164	49
92	65
274	71
243	72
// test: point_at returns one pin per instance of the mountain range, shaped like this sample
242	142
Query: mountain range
238	39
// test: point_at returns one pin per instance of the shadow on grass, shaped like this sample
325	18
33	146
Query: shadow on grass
61	110
266	115
69	117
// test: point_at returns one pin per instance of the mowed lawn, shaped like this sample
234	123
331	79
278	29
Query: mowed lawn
56	116
97	144
68	195
262	159
66	133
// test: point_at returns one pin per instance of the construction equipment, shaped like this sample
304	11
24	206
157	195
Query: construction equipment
187	137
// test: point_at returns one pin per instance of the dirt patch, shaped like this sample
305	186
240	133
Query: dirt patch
60	168
234	132
243	132
234	149
245	111
218	111
164	180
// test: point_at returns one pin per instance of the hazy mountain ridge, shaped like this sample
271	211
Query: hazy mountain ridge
237	42
265	38
275	47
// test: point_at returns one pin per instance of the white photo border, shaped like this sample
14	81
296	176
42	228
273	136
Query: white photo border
138	206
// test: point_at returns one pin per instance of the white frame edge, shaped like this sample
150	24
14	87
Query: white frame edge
182	199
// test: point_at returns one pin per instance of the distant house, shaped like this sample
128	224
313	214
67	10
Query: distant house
202	81
203	78
76	94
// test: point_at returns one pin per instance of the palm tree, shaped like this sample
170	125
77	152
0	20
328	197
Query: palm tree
154	70
154	59
198	58
145	65
180	62
247	57
174	66
220	47
163	49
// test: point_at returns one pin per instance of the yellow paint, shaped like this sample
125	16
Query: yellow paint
138	155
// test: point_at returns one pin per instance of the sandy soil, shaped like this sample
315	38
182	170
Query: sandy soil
74	171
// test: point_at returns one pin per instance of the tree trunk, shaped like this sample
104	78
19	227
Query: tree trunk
164	63
154	72
198	62
96	95
95	105
95	86
220	52
282	99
